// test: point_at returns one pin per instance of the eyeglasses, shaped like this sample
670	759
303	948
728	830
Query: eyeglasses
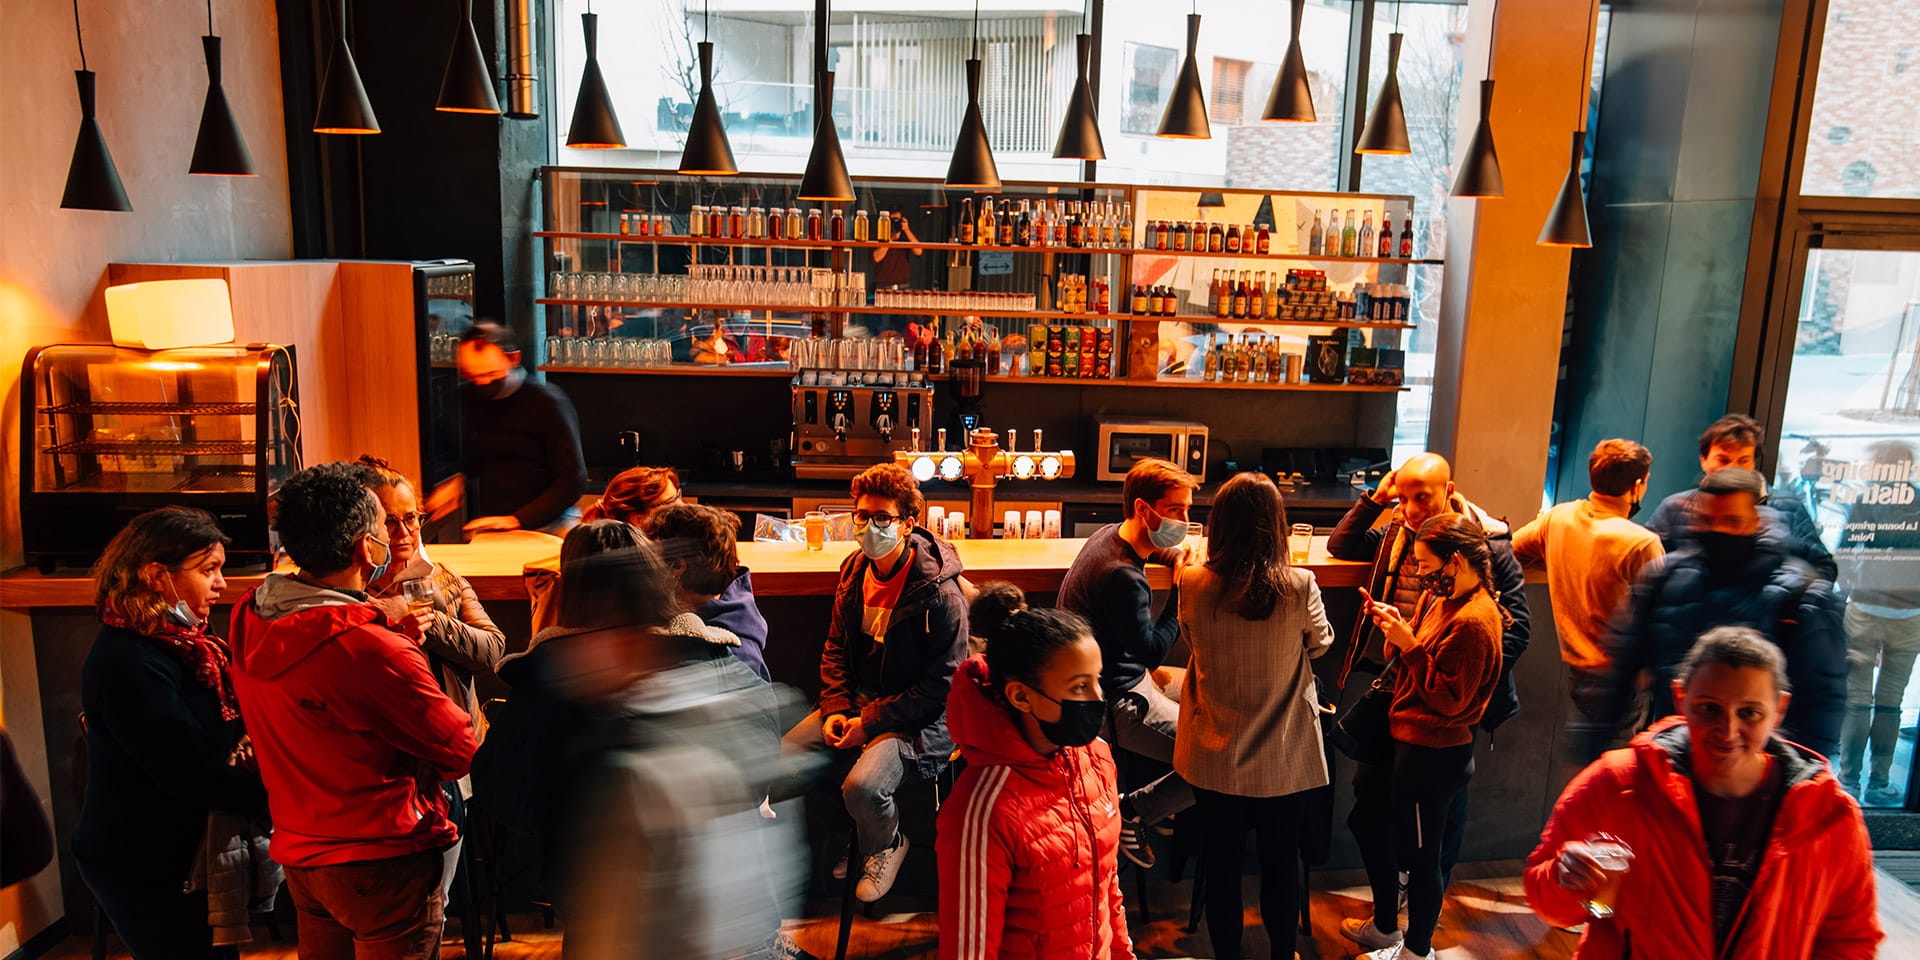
881	520
411	521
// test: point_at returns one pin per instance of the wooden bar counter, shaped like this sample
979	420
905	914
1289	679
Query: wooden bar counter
494	565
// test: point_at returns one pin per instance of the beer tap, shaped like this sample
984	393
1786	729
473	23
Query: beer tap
982	464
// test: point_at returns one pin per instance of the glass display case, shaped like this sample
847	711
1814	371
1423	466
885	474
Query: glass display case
109	432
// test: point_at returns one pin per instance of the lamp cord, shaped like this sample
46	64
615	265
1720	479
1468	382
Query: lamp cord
209	18
976	29
1493	31
78	38
1586	64
706	20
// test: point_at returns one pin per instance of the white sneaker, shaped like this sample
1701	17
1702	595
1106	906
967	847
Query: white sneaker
881	869
1396	952
1364	933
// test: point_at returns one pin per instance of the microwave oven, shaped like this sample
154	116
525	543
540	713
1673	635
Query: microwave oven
1125	441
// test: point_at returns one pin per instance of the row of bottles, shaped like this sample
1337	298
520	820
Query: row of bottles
1203	237
1090	224
1330	237
1248	358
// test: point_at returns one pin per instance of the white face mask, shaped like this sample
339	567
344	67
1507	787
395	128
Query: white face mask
1168	533
179	612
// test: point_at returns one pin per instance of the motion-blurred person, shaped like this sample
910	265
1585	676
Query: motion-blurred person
1880	547
1446	664
165	743
1029	841
26	837
898	631
354	734
1710	836
1730	571
520	461
1249	715
701	544
631	497
1734	441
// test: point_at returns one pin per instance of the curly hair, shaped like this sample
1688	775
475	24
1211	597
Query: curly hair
893	482
633	492
321	512
704	538
170	536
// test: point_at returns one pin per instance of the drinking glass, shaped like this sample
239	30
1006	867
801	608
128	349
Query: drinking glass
1301	542
816	526
419	594
1196	542
1616	858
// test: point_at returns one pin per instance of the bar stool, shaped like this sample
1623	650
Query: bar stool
942	788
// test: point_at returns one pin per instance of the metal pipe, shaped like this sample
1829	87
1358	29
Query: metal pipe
522	99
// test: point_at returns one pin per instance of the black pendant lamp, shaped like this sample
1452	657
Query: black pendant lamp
1480	171
467	86
972	167
826	176
1186	114
1386	129
594	125
1292	97
1566	224
344	107
708	153
218	149
92	181
1080	130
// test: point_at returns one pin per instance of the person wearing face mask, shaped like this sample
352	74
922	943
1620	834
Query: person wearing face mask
1107	585
897	632
1734	441
1743	844
1593	552
1731	571
1249	725
1445	663
1029	840
520	461
166	744
353	732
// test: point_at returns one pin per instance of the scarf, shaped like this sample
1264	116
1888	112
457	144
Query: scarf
204	655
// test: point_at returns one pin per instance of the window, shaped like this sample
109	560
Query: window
1229	91
1150	72
1869	80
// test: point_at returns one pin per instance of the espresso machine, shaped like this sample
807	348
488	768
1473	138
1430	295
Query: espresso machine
847	424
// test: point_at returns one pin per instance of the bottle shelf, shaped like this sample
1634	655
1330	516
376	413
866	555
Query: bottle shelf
1284	257
1197	383
121	408
949	246
1036	316
781	372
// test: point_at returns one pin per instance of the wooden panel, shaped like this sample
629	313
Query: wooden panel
380	377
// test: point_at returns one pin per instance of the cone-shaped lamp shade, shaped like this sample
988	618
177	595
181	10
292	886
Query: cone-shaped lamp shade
344	107
826	176
972	166
467	86
92	181
1480	171
1211	199
1292	97
1386	130
1186	115
594	126
1567	222
218	149
708	153
1080	131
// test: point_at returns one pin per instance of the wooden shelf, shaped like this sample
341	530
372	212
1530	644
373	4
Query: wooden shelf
1284	257
1180	383
781	372
948	246
1037	316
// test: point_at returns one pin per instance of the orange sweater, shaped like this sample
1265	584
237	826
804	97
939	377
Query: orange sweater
1593	554
1445	680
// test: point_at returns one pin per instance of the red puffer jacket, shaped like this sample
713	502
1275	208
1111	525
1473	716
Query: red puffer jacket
1028	845
1813	898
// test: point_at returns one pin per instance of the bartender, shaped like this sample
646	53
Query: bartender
893	265
521	466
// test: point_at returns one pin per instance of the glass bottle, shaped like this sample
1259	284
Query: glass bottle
839	225
883	227
1259	363
1406	240
1008	224
1180	235
1216	239
1365	247
1263	241
1233	238
1239	306
697	221
966	224
795	227
1125	227
1139	300
813	223
1023	230
717	221
986	232
1333	234
1317	237
1349	237
862	227
1211	372
1213	295
1386	237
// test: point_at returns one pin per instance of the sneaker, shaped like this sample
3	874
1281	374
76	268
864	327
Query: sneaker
1165	827
1886	796
1364	933
840	869
1133	843
881	869
783	948
1404	877
1395	952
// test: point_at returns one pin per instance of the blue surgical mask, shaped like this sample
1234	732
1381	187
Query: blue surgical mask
180	613
1169	533
877	541
374	577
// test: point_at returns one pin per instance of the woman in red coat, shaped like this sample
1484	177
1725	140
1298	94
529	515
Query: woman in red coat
1028	843
1743	846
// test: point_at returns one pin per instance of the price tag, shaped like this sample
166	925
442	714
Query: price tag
993	263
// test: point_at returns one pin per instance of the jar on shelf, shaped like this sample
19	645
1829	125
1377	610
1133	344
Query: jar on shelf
813	224
883	227
756	223
860	226
793	226
697	221
716	221
839	225
736	222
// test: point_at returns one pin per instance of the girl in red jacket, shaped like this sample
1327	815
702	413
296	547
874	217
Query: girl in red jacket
1743	846
1029	842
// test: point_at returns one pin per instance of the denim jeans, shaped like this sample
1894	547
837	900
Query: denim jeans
1873	696
1144	720
370	909
870	776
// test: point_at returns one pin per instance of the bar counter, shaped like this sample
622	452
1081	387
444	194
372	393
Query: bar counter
494	564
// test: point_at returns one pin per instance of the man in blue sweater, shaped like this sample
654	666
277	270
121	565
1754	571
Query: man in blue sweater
1107	585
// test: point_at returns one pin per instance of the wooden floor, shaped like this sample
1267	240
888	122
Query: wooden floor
1483	919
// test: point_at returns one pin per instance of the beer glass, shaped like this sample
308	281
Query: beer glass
1616	858
1301	543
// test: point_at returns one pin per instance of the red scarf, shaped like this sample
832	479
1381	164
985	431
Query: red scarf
200	652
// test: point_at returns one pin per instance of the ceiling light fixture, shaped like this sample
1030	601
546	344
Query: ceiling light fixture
1566	224
1186	114
1386	129
1480	171
218	148
707	152
1292	98
972	166
92	181
344	107
1080	130
594	127
467	86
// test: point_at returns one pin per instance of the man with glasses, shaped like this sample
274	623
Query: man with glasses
897	634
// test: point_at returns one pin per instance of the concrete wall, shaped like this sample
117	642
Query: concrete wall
152	80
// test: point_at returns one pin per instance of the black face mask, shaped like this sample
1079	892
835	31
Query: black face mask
1726	549
1440	583
489	391
1634	507
1079	721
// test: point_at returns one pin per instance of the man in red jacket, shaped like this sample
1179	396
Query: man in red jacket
1710	836
352	731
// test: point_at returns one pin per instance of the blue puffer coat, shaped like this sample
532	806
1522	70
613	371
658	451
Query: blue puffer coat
1778	594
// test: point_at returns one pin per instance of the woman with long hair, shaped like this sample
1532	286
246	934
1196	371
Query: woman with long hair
1249	738
1029	843
165	745
1446	662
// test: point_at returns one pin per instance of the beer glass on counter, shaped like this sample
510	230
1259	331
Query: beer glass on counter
1301	543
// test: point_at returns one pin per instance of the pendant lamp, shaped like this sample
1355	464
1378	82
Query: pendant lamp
1080	130
344	107
594	125
218	148
467	86
826	176
1386	129
92	181
1292	97
1480	171
707	152
1186	114
1566	224
972	166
